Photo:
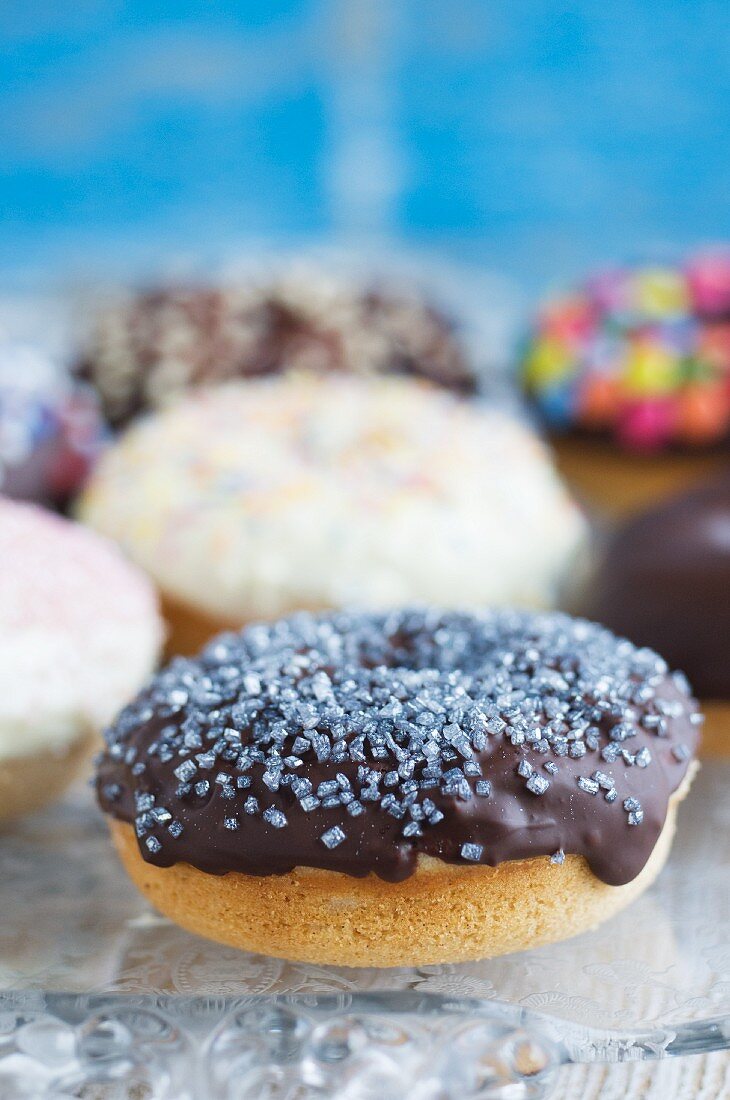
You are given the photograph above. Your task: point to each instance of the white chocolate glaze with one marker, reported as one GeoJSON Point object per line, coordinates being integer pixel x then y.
{"type": "Point", "coordinates": [255, 498]}
{"type": "Point", "coordinates": [79, 631]}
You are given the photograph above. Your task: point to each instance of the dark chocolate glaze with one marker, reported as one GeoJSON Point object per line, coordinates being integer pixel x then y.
{"type": "Point", "coordinates": [665, 582]}
{"type": "Point", "coordinates": [526, 690]}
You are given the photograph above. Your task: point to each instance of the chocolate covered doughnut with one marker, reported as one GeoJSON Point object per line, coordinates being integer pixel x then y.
{"type": "Point", "coordinates": [665, 582]}
{"type": "Point", "coordinates": [314, 787]}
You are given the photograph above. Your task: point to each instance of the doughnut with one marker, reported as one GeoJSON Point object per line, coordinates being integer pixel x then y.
{"type": "Point", "coordinates": [51, 429]}
{"type": "Point", "coordinates": [255, 499]}
{"type": "Point", "coordinates": [79, 632]}
{"type": "Point", "coordinates": [149, 347]}
{"type": "Point", "coordinates": [403, 787]}
{"type": "Point", "coordinates": [642, 354]}
{"type": "Point", "coordinates": [664, 581]}
{"type": "Point", "coordinates": [630, 372]}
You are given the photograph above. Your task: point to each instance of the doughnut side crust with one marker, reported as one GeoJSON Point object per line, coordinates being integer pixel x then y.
{"type": "Point", "coordinates": [442, 913]}
{"type": "Point", "coordinates": [29, 782]}
{"type": "Point", "coordinates": [190, 628]}
{"type": "Point", "coordinates": [716, 730]}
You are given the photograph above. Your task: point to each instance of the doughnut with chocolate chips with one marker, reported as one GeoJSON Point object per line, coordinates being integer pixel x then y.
{"type": "Point", "coordinates": [401, 788]}
{"type": "Point", "coordinates": [149, 348]}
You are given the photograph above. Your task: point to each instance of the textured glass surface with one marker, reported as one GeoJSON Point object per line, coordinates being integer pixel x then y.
{"type": "Point", "coordinates": [649, 983]}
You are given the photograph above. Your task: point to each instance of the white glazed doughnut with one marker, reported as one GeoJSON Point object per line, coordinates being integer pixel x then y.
{"type": "Point", "coordinates": [79, 632]}
{"type": "Point", "coordinates": [256, 498]}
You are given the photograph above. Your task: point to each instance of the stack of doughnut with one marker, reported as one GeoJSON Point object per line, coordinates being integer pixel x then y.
{"type": "Point", "coordinates": [375, 743]}
{"type": "Point", "coordinates": [402, 788]}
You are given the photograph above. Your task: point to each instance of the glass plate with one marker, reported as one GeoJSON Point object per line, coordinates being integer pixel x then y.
{"type": "Point", "coordinates": [101, 998]}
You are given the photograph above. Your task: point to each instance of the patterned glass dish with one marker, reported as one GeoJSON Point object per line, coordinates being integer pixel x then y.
{"type": "Point", "coordinates": [100, 998]}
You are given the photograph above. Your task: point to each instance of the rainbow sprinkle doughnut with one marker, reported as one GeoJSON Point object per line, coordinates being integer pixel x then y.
{"type": "Point", "coordinates": [640, 355]}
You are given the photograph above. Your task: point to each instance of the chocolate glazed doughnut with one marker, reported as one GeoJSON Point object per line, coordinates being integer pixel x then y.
{"type": "Point", "coordinates": [330, 787]}
{"type": "Point", "coordinates": [664, 580]}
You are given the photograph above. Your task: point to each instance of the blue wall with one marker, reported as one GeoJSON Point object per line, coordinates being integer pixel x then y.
{"type": "Point", "coordinates": [525, 134]}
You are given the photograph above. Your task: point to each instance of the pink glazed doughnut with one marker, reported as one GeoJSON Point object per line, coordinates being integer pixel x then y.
{"type": "Point", "coordinates": [79, 633]}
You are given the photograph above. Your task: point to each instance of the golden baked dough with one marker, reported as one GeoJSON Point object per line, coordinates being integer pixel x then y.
{"type": "Point", "coordinates": [27, 783]}
{"type": "Point", "coordinates": [442, 913]}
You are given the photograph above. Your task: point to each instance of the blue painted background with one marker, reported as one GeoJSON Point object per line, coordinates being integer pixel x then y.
{"type": "Point", "coordinates": [527, 135]}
